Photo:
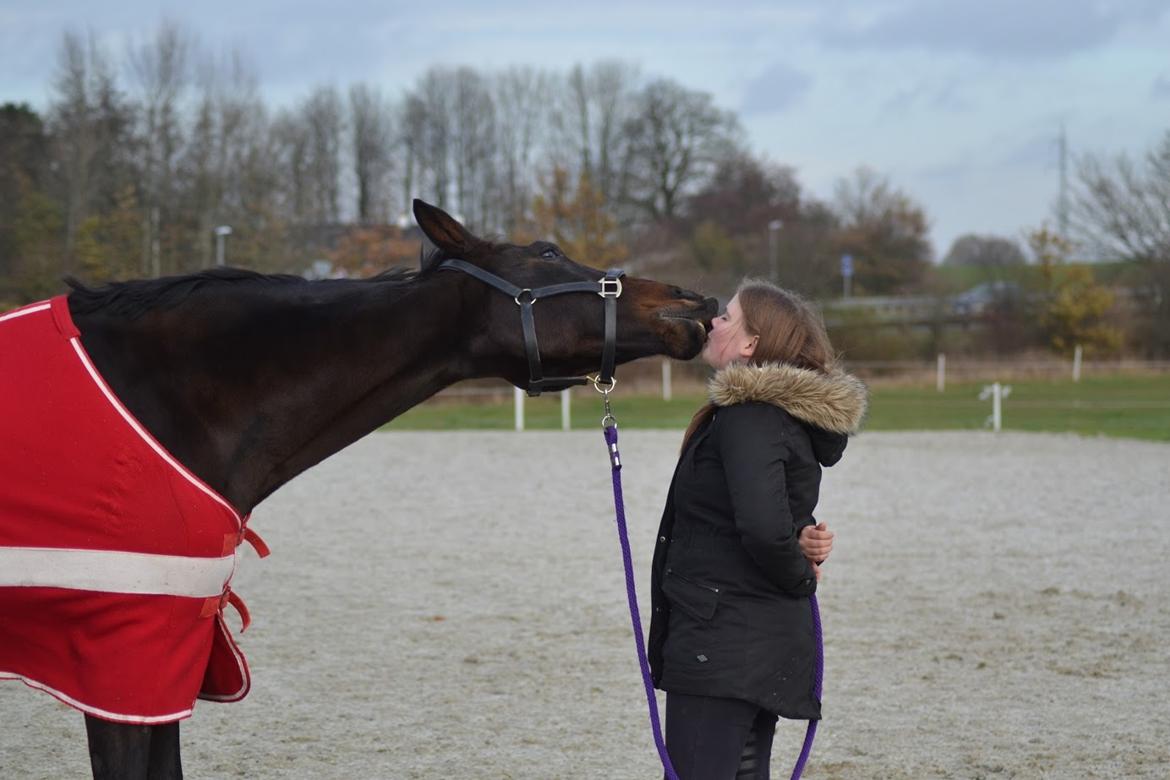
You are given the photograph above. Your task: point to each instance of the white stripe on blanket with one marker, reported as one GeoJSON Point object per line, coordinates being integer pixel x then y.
{"type": "Point", "coordinates": [108, 571]}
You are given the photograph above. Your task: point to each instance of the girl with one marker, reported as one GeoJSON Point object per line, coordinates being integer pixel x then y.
{"type": "Point", "coordinates": [738, 552]}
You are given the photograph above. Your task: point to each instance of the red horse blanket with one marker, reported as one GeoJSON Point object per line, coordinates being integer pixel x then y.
{"type": "Point", "coordinates": [115, 560]}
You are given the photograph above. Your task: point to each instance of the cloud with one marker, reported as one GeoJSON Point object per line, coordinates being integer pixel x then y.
{"type": "Point", "coordinates": [777, 88]}
{"type": "Point", "coordinates": [1011, 29]}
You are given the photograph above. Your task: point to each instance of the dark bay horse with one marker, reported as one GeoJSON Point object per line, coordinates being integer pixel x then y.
{"type": "Point", "coordinates": [248, 380]}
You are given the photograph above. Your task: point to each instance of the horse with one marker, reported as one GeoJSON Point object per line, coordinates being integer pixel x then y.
{"type": "Point", "coordinates": [242, 381]}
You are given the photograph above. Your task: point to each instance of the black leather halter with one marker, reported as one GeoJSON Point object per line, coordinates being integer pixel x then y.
{"type": "Point", "coordinates": [609, 287]}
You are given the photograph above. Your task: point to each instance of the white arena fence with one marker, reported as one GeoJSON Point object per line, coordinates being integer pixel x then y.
{"type": "Point", "coordinates": [666, 378]}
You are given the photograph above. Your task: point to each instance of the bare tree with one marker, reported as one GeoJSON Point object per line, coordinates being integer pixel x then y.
{"type": "Point", "coordinates": [324, 122]}
{"type": "Point", "coordinates": [90, 124]}
{"type": "Point", "coordinates": [413, 123]}
{"type": "Point", "coordinates": [473, 136]}
{"type": "Point", "coordinates": [520, 95]}
{"type": "Point", "coordinates": [428, 134]}
{"type": "Point", "coordinates": [674, 142]}
{"type": "Point", "coordinates": [372, 137]}
{"type": "Point", "coordinates": [204, 178]}
{"type": "Point", "coordinates": [1122, 208]}
{"type": "Point", "coordinates": [596, 104]}
{"type": "Point", "coordinates": [160, 69]}
{"type": "Point", "coordinates": [291, 139]}
{"type": "Point", "coordinates": [228, 151]}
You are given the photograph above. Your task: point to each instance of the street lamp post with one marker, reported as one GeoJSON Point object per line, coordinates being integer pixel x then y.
{"type": "Point", "coordinates": [220, 233]}
{"type": "Point", "coordinates": [773, 248]}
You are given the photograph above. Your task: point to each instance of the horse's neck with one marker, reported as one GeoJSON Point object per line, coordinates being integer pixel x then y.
{"type": "Point", "coordinates": [249, 402]}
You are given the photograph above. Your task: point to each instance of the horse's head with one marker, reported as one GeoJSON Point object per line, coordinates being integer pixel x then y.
{"type": "Point", "coordinates": [652, 318]}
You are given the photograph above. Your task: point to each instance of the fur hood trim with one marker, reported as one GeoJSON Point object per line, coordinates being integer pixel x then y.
{"type": "Point", "coordinates": [834, 401]}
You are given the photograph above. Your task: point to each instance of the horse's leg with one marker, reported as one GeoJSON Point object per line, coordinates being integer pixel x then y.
{"type": "Point", "coordinates": [121, 751]}
{"type": "Point", "coordinates": [164, 752]}
{"type": "Point", "coordinates": [118, 751]}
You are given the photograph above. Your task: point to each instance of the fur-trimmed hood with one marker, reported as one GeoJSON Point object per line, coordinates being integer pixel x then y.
{"type": "Point", "coordinates": [833, 403]}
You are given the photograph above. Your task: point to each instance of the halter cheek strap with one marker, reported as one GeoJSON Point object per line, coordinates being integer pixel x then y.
{"type": "Point", "coordinates": [609, 287]}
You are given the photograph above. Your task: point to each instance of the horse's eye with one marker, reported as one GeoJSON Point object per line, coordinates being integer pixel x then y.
{"type": "Point", "coordinates": [549, 254]}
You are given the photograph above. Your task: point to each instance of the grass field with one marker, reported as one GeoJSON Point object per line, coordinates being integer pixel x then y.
{"type": "Point", "coordinates": [1125, 406]}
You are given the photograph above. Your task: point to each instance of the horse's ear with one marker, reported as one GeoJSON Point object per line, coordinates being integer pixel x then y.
{"type": "Point", "coordinates": [442, 229]}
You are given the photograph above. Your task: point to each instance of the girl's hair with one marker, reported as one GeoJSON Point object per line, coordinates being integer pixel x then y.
{"type": "Point", "coordinates": [790, 331]}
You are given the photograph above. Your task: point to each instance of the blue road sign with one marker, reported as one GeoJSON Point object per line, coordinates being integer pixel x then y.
{"type": "Point", "coordinates": [847, 265]}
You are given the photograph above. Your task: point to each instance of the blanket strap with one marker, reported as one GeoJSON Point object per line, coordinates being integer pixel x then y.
{"type": "Point", "coordinates": [253, 538]}
{"type": "Point", "coordinates": [215, 605]}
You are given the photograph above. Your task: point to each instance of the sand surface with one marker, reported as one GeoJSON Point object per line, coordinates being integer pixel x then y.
{"type": "Point", "coordinates": [451, 605]}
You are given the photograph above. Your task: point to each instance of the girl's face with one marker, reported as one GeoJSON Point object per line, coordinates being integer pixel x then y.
{"type": "Point", "coordinates": [729, 340]}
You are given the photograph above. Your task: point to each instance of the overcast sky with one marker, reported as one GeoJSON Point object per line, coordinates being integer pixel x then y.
{"type": "Point", "coordinates": [958, 102]}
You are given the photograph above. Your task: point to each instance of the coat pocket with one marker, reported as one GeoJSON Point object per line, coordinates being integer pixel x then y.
{"type": "Point", "coordinates": [695, 598]}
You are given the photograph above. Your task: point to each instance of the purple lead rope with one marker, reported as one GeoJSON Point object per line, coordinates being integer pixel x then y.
{"type": "Point", "coordinates": [611, 437]}
{"type": "Point", "coordinates": [818, 677]}
{"type": "Point", "coordinates": [631, 594]}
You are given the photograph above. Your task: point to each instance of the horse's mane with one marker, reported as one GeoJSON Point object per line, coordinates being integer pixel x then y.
{"type": "Point", "coordinates": [132, 299]}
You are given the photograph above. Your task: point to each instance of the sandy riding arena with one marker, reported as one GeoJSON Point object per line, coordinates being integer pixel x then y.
{"type": "Point", "coordinates": [451, 605]}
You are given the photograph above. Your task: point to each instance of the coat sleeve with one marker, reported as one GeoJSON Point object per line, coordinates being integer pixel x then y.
{"type": "Point", "coordinates": [753, 450]}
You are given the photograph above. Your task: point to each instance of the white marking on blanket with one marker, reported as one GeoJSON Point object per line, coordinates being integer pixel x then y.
{"type": "Point", "coordinates": [21, 312]}
{"type": "Point", "coordinates": [72, 702]}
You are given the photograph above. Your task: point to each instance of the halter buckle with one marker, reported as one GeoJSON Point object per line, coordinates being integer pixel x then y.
{"type": "Point", "coordinates": [531, 297]}
{"type": "Point", "coordinates": [614, 288]}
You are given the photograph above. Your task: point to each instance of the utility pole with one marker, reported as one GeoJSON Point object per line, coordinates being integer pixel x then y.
{"type": "Point", "coordinates": [773, 249]}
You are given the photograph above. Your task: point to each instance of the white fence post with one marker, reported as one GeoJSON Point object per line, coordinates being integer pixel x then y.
{"type": "Point", "coordinates": [997, 393]}
{"type": "Point", "coordinates": [566, 416]}
{"type": "Point", "coordinates": [941, 375]}
{"type": "Point", "coordinates": [1077, 363]}
{"type": "Point", "coordinates": [518, 405]}
{"type": "Point", "coordinates": [666, 388]}
{"type": "Point", "coordinates": [997, 408]}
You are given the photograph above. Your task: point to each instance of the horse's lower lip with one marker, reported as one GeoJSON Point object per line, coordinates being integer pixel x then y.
{"type": "Point", "coordinates": [704, 324]}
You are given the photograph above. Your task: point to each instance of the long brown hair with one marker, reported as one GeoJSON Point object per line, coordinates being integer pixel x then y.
{"type": "Point", "coordinates": [790, 331]}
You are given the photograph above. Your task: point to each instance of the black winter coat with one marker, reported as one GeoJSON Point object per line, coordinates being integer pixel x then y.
{"type": "Point", "coordinates": [729, 586]}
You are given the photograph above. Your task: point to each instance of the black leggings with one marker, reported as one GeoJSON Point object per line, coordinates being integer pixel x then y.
{"type": "Point", "coordinates": [718, 739]}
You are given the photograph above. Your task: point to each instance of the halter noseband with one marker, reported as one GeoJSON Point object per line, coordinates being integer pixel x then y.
{"type": "Point", "coordinates": [609, 287]}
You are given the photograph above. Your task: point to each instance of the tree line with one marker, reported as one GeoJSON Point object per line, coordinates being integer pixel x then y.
{"type": "Point", "coordinates": [136, 160]}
